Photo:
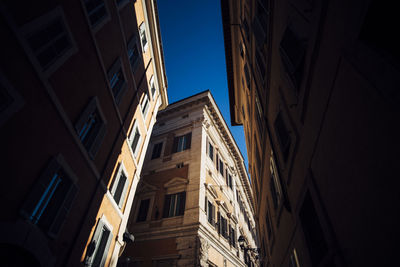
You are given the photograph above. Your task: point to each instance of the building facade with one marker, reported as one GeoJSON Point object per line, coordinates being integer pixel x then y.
{"type": "Point", "coordinates": [81, 83]}
{"type": "Point", "coordinates": [315, 86]}
{"type": "Point", "coordinates": [194, 198]}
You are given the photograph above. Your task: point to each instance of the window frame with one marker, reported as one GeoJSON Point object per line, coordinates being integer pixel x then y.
{"type": "Point", "coordinates": [158, 155]}
{"type": "Point", "coordinates": [81, 122]}
{"type": "Point", "coordinates": [185, 143]}
{"type": "Point", "coordinates": [135, 129]}
{"type": "Point", "coordinates": [115, 183]}
{"type": "Point", "coordinates": [38, 23]}
{"type": "Point", "coordinates": [152, 86]}
{"type": "Point", "coordinates": [175, 212]}
{"type": "Point", "coordinates": [143, 36]}
{"type": "Point", "coordinates": [132, 43]}
{"type": "Point", "coordinates": [145, 105]}
{"type": "Point", "coordinates": [40, 192]}
{"type": "Point", "coordinates": [102, 21]}
{"type": "Point", "coordinates": [113, 70]}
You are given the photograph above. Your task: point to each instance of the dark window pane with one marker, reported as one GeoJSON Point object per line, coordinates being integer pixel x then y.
{"type": "Point", "coordinates": [120, 187]}
{"type": "Point", "coordinates": [157, 151]}
{"type": "Point", "coordinates": [283, 136]}
{"type": "Point", "coordinates": [143, 210]}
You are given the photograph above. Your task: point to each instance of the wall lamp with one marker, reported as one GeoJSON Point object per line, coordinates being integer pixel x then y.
{"type": "Point", "coordinates": [242, 241]}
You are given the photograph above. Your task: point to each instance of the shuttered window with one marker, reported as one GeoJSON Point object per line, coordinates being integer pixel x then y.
{"type": "Point", "coordinates": [91, 127]}
{"type": "Point", "coordinates": [134, 138]}
{"type": "Point", "coordinates": [182, 142]}
{"type": "Point", "coordinates": [133, 52]}
{"type": "Point", "coordinates": [292, 50]}
{"type": "Point", "coordinates": [211, 213]}
{"type": "Point", "coordinates": [174, 204]}
{"type": "Point", "coordinates": [283, 136]}
{"type": "Point", "coordinates": [143, 210]}
{"type": "Point", "coordinates": [51, 198]}
{"type": "Point", "coordinates": [98, 248]}
{"type": "Point", "coordinates": [157, 150]}
{"type": "Point", "coordinates": [117, 80]}
{"type": "Point", "coordinates": [96, 11]}
{"type": "Point", "coordinates": [119, 186]}
{"type": "Point", "coordinates": [145, 105]}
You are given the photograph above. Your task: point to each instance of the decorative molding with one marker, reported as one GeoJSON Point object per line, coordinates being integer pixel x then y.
{"type": "Point", "coordinates": [211, 189]}
{"type": "Point", "coordinates": [176, 181]}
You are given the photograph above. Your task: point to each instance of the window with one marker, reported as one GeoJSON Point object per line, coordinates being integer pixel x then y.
{"type": "Point", "coordinates": [294, 261]}
{"type": "Point", "coordinates": [246, 29]}
{"type": "Point", "coordinates": [182, 143]}
{"type": "Point", "coordinates": [283, 136]}
{"type": "Point", "coordinates": [117, 80]}
{"type": "Point", "coordinates": [260, 24]}
{"type": "Point", "coordinates": [143, 37]}
{"type": "Point", "coordinates": [241, 49]}
{"type": "Point", "coordinates": [119, 186]}
{"type": "Point", "coordinates": [10, 100]}
{"type": "Point", "coordinates": [232, 236]}
{"type": "Point", "coordinates": [174, 205]}
{"type": "Point", "coordinates": [312, 230]}
{"type": "Point", "coordinates": [133, 53]}
{"type": "Point", "coordinates": [229, 181]}
{"type": "Point", "coordinates": [134, 138]}
{"type": "Point", "coordinates": [152, 86]}
{"type": "Point", "coordinates": [51, 198]}
{"type": "Point", "coordinates": [217, 161]}
{"type": "Point", "coordinates": [143, 210]}
{"type": "Point", "coordinates": [96, 11]}
{"type": "Point", "coordinates": [247, 76]}
{"type": "Point", "coordinates": [210, 151]}
{"type": "Point", "coordinates": [379, 24]}
{"type": "Point", "coordinates": [97, 250]}
{"type": "Point", "coordinates": [268, 225]}
{"type": "Point", "coordinates": [179, 165]}
{"type": "Point", "coordinates": [221, 167]}
{"type": "Point", "coordinates": [91, 127]}
{"type": "Point", "coordinates": [293, 50]}
{"type": "Point", "coordinates": [276, 190]}
{"type": "Point", "coordinates": [145, 105]}
{"type": "Point", "coordinates": [157, 150]}
{"type": "Point", "coordinates": [260, 116]}
{"type": "Point", "coordinates": [49, 39]}
{"type": "Point", "coordinates": [223, 227]}
{"type": "Point", "coordinates": [210, 213]}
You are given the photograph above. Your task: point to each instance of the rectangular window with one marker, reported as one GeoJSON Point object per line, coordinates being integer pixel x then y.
{"type": "Point", "coordinates": [217, 161]}
{"type": "Point", "coordinates": [96, 11]}
{"type": "Point", "coordinates": [119, 186]}
{"type": "Point", "coordinates": [232, 237]}
{"type": "Point", "coordinates": [230, 182]}
{"type": "Point", "coordinates": [182, 142]}
{"type": "Point", "coordinates": [276, 190]}
{"type": "Point", "coordinates": [152, 86]}
{"type": "Point", "coordinates": [312, 230]}
{"type": "Point", "coordinates": [293, 50]}
{"type": "Point", "coordinates": [283, 136]}
{"type": "Point", "coordinates": [210, 151]}
{"type": "Point", "coordinates": [174, 205]}
{"type": "Point", "coordinates": [48, 204]}
{"type": "Point", "coordinates": [143, 37]}
{"type": "Point", "coordinates": [98, 248]}
{"type": "Point", "coordinates": [145, 105]}
{"type": "Point", "coordinates": [224, 227]}
{"type": "Point", "coordinates": [117, 80]}
{"type": "Point", "coordinates": [157, 150]}
{"type": "Point", "coordinates": [247, 76]}
{"type": "Point", "coordinates": [221, 167]}
{"type": "Point", "coordinates": [268, 225]}
{"type": "Point", "coordinates": [134, 138]}
{"type": "Point", "coordinates": [133, 53]}
{"type": "Point", "coordinates": [143, 210]}
{"type": "Point", "coordinates": [48, 38]}
{"type": "Point", "coordinates": [91, 127]}
{"type": "Point", "coordinates": [210, 213]}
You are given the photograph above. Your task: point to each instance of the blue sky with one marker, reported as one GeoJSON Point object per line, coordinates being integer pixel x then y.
{"type": "Point", "coordinates": [194, 54]}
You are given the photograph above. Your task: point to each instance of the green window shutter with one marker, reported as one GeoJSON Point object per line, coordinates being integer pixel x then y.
{"type": "Point", "coordinates": [39, 188]}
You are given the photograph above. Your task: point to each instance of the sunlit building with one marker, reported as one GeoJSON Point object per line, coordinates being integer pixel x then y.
{"type": "Point", "coordinates": [315, 86]}
{"type": "Point", "coordinates": [194, 199]}
{"type": "Point", "coordinates": [81, 83]}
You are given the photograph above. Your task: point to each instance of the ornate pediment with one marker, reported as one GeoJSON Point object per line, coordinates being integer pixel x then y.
{"type": "Point", "coordinates": [146, 188]}
{"type": "Point", "coordinates": [211, 189]}
{"type": "Point", "coordinates": [177, 181]}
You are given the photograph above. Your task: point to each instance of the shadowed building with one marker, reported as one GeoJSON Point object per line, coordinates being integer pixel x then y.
{"type": "Point", "coordinates": [81, 83]}
{"type": "Point", "coordinates": [315, 86]}
{"type": "Point", "coordinates": [194, 198]}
